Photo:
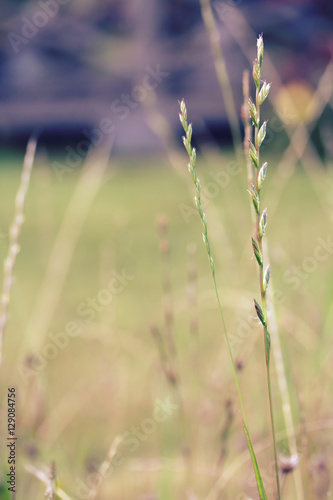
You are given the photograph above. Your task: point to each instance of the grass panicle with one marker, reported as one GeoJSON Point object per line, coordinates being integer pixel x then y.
{"type": "Point", "coordinates": [262, 90]}
{"type": "Point", "coordinates": [191, 167]}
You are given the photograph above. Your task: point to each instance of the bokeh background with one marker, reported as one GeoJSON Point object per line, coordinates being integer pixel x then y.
{"type": "Point", "coordinates": [112, 298]}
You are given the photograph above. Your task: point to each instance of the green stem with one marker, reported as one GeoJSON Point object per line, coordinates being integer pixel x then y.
{"type": "Point", "coordinates": [231, 356]}
{"type": "Point", "coordinates": [273, 430]}
{"type": "Point", "coordinates": [260, 485]}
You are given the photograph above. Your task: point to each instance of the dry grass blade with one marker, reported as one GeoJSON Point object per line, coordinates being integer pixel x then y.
{"type": "Point", "coordinates": [221, 71]}
{"type": "Point", "coordinates": [14, 236]}
{"type": "Point", "coordinates": [44, 478]}
{"type": "Point", "coordinates": [50, 490]}
{"type": "Point", "coordinates": [104, 467]}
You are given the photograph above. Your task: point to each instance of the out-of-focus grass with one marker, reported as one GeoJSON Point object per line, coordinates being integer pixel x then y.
{"type": "Point", "coordinates": [107, 379]}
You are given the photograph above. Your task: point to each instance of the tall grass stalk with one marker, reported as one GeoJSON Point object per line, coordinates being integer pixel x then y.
{"type": "Point", "coordinates": [262, 90]}
{"type": "Point", "coordinates": [294, 149]}
{"type": "Point", "coordinates": [191, 166]}
{"type": "Point", "coordinates": [277, 351]}
{"type": "Point", "coordinates": [14, 235]}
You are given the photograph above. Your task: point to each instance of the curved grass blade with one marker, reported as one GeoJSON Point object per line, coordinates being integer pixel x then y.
{"type": "Point", "coordinates": [260, 485]}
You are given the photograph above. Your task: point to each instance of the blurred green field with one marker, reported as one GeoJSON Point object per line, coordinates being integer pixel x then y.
{"type": "Point", "coordinates": [108, 378]}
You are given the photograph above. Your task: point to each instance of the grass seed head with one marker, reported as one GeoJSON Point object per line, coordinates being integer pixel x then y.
{"type": "Point", "coordinates": [260, 49]}
{"type": "Point", "coordinates": [262, 175]}
{"type": "Point", "coordinates": [259, 312]}
{"type": "Point", "coordinates": [261, 134]}
{"type": "Point", "coordinates": [263, 92]}
{"type": "Point", "coordinates": [267, 276]}
{"type": "Point", "coordinates": [263, 223]}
